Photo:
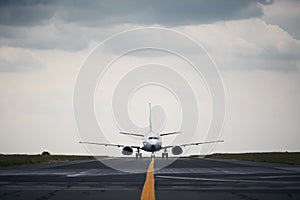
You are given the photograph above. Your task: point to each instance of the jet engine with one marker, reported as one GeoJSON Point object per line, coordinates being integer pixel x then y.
{"type": "Point", "coordinates": [177, 150]}
{"type": "Point", "coordinates": [127, 151]}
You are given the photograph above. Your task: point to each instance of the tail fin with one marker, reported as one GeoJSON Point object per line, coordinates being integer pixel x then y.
{"type": "Point", "coordinates": [150, 118]}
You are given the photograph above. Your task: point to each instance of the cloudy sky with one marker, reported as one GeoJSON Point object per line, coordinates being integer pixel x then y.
{"type": "Point", "coordinates": [255, 44]}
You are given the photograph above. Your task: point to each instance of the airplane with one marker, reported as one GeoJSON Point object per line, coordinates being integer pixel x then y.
{"type": "Point", "coordinates": [151, 142]}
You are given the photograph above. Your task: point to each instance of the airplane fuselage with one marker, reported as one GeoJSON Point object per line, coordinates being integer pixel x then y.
{"type": "Point", "coordinates": [152, 142]}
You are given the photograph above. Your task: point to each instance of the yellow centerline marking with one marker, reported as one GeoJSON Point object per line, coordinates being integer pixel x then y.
{"type": "Point", "coordinates": [148, 192]}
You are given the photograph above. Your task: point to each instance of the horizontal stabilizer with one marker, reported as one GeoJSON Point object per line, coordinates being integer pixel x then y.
{"type": "Point", "coordinates": [133, 134]}
{"type": "Point", "coordinates": [170, 133]}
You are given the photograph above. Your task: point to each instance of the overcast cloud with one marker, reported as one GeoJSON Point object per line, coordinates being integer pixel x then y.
{"type": "Point", "coordinates": [70, 25]}
{"type": "Point", "coordinates": [255, 43]}
{"type": "Point", "coordinates": [105, 12]}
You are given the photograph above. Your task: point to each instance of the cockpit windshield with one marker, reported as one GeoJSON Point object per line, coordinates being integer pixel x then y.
{"type": "Point", "coordinates": [153, 138]}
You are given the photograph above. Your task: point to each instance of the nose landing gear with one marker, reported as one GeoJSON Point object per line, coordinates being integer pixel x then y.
{"type": "Point", "coordinates": [152, 155]}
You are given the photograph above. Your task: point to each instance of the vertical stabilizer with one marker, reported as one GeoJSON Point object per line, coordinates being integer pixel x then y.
{"type": "Point", "coordinates": [150, 118]}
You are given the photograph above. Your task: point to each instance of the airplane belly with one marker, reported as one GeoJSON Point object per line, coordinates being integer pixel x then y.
{"type": "Point", "coordinates": [151, 147]}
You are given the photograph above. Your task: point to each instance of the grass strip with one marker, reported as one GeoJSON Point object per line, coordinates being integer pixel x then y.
{"type": "Point", "coordinates": [292, 158]}
{"type": "Point", "coordinates": [8, 160]}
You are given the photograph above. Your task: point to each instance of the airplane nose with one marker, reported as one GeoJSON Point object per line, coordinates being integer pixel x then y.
{"type": "Point", "coordinates": [152, 142]}
{"type": "Point", "coordinates": [152, 147]}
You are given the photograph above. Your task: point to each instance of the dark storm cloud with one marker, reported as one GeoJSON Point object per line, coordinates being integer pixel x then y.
{"type": "Point", "coordinates": [24, 13]}
{"type": "Point", "coordinates": [105, 12]}
{"type": "Point", "coordinates": [72, 24]}
{"type": "Point", "coordinates": [168, 12]}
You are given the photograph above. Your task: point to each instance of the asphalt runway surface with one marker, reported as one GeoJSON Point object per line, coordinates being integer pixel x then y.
{"type": "Point", "coordinates": [186, 178]}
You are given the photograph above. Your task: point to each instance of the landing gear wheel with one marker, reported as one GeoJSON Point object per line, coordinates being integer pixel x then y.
{"type": "Point", "coordinates": [138, 155]}
{"type": "Point", "coordinates": [165, 155]}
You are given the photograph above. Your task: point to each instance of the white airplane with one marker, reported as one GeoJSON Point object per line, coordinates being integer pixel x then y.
{"type": "Point", "coordinates": [151, 142]}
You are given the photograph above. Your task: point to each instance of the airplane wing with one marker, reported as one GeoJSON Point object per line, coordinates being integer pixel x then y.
{"type": "Point", "coordinates": [170, 133]}
{"type": "Point", "coordinates": [133, 134]}
{"type": "Point", "coordinates": [191, 144]}
{"type": "Point", "coordinates": [112, 145]}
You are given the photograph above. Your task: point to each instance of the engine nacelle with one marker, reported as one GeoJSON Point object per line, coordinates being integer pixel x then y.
{"type": "Point", "coordinates": [127, 151]}
{"type": "Point", "coordinates": [177, 150]}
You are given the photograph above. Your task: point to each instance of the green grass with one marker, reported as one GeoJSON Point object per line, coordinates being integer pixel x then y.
{"type": "Point", "coordinates": [8, 160]}
{"type": "Point", "coordinates": [292, 158]}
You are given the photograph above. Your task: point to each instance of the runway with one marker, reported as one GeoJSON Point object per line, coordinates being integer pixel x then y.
{"type": "Point", "coordinates": [186, 178]}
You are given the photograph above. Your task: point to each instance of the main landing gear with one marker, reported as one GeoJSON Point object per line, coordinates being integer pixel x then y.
{"type": "Point", "coordinates": [138, 154]}
{"type": "Point", "coordinates": [165, 154]}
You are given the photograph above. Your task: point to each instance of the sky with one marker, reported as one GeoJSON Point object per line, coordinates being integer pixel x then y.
{"type": "Point", "coordinates": [254, 43]}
